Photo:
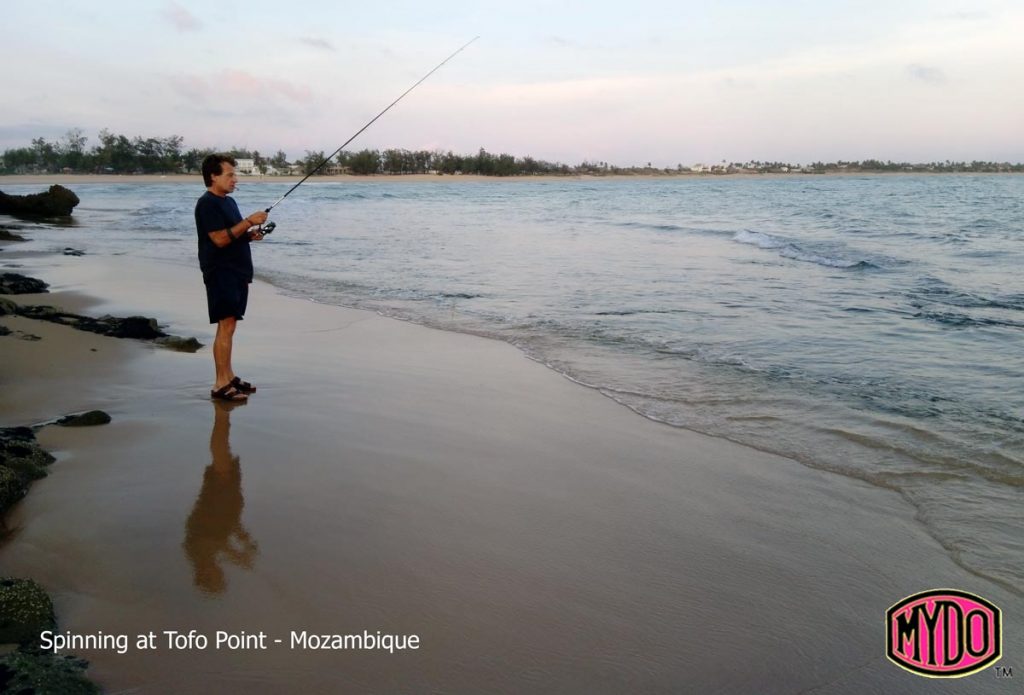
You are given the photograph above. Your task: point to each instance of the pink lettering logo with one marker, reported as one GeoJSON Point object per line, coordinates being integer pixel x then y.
{"type": "Point", "coordinates": [943, 633]}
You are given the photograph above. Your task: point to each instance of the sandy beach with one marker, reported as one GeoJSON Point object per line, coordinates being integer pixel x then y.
{"type": "Point", "coordinates": [534, 535]}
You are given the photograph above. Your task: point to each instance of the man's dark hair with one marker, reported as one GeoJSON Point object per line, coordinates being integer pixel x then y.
{"type": "Point", "coordinates": [211, 166]}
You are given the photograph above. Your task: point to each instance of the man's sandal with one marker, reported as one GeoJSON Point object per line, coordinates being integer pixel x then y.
{"type": "Point", "coordinates": [243, 386]}
{"type": "Point", "coordinates": [228, 393]}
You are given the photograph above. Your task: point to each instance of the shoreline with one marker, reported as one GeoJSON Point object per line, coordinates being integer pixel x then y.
{"type": "Point", "coordinates": [507, 492]}
{"type": "Point", "coordinates": [65, 179]}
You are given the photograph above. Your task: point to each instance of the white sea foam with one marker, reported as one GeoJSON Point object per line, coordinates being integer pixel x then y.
{"type": "Point", "coordinates": [790, 250]}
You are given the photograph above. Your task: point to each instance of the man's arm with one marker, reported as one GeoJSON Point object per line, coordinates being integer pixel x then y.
{"type": "Point", "coordinates": [223, 237]}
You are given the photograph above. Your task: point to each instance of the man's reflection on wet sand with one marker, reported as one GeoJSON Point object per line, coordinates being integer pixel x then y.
{"type": "Point", "coordinates": [214, 531]}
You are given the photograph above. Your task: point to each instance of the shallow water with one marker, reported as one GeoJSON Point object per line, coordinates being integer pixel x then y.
{"type": "Point", "coordinates": [870, 326]}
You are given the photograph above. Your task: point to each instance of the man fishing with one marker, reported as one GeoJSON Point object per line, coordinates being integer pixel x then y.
{"type": "Point", "coordinates": [224, 254]}
{"type": "Point", "coordinates": [226, 262]}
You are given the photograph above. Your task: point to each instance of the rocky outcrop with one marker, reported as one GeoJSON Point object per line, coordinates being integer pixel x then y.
{"type": "Point", "coordinates": [89, 419]}
{"type": "Point", "coordinates": [12, 283]}
{"type": "Point", "coordinates": [137, 327]}
{"type": "Point", "coordinates": [56, 202]}
{"type": "Point", "coordinates": [22, 460]}
{"type": "Point", "coordinates": [176, 342]}
{"type": "Point", "coordinates": [25, 612]}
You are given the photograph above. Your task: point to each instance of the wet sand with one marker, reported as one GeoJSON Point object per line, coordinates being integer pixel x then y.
{"type": "Point", "coordinates": [534, 535]}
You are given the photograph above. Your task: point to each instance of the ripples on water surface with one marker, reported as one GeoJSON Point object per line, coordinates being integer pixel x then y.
{"type": "Point", "coordinates": [870, 326]}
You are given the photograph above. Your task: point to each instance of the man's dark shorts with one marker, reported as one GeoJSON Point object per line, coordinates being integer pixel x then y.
{"type": "Point", "coordinates": [226, 295]}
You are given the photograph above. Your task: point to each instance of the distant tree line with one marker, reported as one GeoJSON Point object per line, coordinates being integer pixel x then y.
{"type": "Point", "coordinates": [400, 161]}
{"type": "Point", "coordinates": [118, 154]}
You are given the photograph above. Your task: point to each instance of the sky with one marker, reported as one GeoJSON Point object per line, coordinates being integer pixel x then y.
{"type": "Point", "coordinates": [628, 83]}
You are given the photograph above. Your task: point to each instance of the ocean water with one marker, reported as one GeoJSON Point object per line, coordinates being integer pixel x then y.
{"type": "Point", "coordinates": [871, 326]}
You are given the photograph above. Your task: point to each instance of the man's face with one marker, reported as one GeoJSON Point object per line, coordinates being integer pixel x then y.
{"type": "Point", "coordinates": [224, 182]}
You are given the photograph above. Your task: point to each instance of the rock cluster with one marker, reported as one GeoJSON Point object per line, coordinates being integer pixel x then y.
{"type": "Point", "coordinates": [56, 202]}
{"type": "Point", "coordinates": [21, 461]}
{"type": "Point", "coordinates": [12, 283]}
{"type": "Point", "coordinates": [89, 419]}
{"type": "Point", "coordinates": [7, 235]}
{"type": "Point", "coordinates": [138, 327]}
{"type": "Point", "coordinates": [26, 611]}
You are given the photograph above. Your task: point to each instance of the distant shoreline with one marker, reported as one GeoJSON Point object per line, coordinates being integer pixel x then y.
{"type": "Point", "coordinates": [65, 179]}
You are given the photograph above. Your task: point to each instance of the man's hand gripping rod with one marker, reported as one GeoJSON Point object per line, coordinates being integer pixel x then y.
{"type": "Point", "coordinates": [269, 227]}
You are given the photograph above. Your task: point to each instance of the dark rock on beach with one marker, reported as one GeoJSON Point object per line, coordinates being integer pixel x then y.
{"type": "Point", "coordinates": [12, 283]}
{"type": "Point", "coordinates": [22, 460]}
{"type": "Point", "coordinates": [68, 251]}
{"type": "Point", "coordinates": [34, 672]}
{"type": "Point", "coordinates": [139, 327]}
{"type": "Point", "coordinates": [25, 612]}
{"type": "Point", "coordinates": [89, 419]}
{"type": "Point", "coordinates": [6, 235]}
{"type": "Point", "coordinates": [176, 342]}
{"type": "Point", "coordinates": [56, 202]}
{"type": "Point", "coordinates": [40, 312]}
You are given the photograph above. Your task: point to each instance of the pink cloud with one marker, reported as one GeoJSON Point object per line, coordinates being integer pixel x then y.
{"type": "Point", "coordinates": [182, 19]}
{"type": "Point", "coordinates": [240, 84]}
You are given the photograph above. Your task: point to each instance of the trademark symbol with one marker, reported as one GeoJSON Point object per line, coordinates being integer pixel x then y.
{"type": "Point", "coordinates": [1003, 672]}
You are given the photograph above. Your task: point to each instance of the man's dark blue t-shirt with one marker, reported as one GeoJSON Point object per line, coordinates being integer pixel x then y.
{"type": "Point", "coordinates": [214, 213]}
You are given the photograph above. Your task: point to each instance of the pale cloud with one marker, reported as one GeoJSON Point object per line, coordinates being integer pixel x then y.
{"type": "Point", "coordinates": [229, 84]}
{"type": "Point", "coordinates": [560, 42]}
{"type": "Point", "coordinates": [967, 15]}
{"type": "Point", "coordinates": [180, 18]}
{"type": "Point", "coordinates": [314, 42]}
{"type": "Point", "coordinates": [564, 91]}
{"type": "Point", "coordinates": [926, 73]}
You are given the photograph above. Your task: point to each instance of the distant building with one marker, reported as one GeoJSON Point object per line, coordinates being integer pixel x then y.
{"type": "Point", "coordinates": [246, 167]}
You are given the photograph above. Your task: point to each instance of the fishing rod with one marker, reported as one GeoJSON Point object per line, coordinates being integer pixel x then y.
{"type": "Point", "coordinates": [270, 226]}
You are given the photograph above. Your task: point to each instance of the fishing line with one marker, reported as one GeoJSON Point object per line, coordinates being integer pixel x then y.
{"type": "Point", "coordinates": [331, 156]}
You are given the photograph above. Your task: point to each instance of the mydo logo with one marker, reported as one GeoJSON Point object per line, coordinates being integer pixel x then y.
{"type": "Point", "coordinates": [943, 633]}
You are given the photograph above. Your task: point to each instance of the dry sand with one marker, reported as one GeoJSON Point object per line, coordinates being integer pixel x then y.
{"type": "Point", "coordinates": [536, 536]}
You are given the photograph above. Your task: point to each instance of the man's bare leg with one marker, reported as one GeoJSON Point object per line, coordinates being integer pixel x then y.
{"type": "Point", "coordinates": [222, 351]}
